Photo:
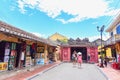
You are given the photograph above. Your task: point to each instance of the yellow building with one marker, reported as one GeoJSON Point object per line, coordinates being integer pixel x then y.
{"type": "Point", "coordinates": [114, 41]}
{"type": "Point", "coordinates": [58, 36]}
{"type": "Point", "coordinates": [105, 51]}
{"type": "Point", "coordinates": [108, 52]}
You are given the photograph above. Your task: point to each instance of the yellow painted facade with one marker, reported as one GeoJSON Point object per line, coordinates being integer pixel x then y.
{"type": "Point", "coordinates": [108, 51]}
{"type": "Point", "coordinates": [99, 48]}
{"type": "Point", "coordinates": [58, 36]}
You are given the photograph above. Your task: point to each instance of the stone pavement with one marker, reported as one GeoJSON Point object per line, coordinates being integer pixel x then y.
{"type": "Point", "coordinates": [23, 74]}
{"type": "Point", "coordinates": [68, 71]}
{"type": "Point", "coordinates": [111, 73]}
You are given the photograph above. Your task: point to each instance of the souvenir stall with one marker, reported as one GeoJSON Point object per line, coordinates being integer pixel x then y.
{"type": "Point", "coordinates": [12, 57]}
{"type": "Point", "coordinates": [57, 55]}
{"type": "Point", "coordinates": [22, 54]}
{"type": "Point", "coordinates": [51, 55]}
{"type": "Point", "coordinates": [33, 53]}
{"type": "Point", "coordinates": [40, 55]}
{"type": "Point", "coordinates": [4, 55]}
{"type": "Point", "coordinates": [28, 56]}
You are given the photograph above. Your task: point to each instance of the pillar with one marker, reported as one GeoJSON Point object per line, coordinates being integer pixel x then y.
{"type": "Point", "coordinates": [46, 53]}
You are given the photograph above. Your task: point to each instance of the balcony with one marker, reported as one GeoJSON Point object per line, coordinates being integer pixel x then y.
{"type": "Point", "coordinates": [112, 40]}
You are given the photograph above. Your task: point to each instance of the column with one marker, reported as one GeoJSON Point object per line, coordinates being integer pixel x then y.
{"type": "Point", "coordinates": [46, 53]}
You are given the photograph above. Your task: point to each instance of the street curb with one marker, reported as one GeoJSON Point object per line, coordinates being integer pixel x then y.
{"type": "Point", "coordinates": [40, 73]}
{"type": "Point", "coordinates": [102, 72]}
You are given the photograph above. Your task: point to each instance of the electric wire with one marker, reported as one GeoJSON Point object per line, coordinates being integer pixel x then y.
{"type": "Point", "coordinates": [108, 21]}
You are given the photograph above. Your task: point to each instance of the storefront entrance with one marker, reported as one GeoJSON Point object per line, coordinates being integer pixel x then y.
{"type": "Point", "coordinates": [83, 50]}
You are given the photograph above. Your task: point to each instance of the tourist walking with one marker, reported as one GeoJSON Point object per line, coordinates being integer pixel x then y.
{"type": "Point", "coordinates": [74, 58]}
{"type": "Point", "coordinates": [79, 59]}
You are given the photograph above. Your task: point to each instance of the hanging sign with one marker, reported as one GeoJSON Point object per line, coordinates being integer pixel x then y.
{"type": "Point", "coordinates": [6, 58]}
{"type": "Point", "coordinates": [28, 61]}
{"type": "Point", "coordinates": [40, 49]}
{"type": "Point", "coordinates": [3, 66]}
{"type": "Point", "coordinates": [7, 51]}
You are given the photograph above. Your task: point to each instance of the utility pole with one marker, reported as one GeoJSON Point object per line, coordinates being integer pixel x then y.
{"type": "Point", "coordinates": [101, 29]}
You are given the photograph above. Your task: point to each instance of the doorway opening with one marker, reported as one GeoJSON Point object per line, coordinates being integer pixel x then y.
{"type": "Point", "coordinates": [83, 50]}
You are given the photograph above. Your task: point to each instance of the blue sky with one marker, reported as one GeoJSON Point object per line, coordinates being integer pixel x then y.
{"type": "Point", "coordinates": [71, 18]}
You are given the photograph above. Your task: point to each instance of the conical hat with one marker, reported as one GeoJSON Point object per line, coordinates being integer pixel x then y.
{"type": "Point", "coordinates": [79, 53]}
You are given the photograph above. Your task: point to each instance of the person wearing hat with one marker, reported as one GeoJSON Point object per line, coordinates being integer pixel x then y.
{"type": "Point", "coordinates": [79, 59]}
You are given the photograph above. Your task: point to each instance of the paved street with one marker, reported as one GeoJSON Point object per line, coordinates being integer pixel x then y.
{"type": "Point", "coordinates": [66, 71]}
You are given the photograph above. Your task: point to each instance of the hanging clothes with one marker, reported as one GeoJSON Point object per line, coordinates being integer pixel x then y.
{"type": "Point", "coordinates": [22, 56]}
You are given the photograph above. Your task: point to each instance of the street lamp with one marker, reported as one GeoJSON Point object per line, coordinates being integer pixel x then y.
{"type": "Point", "coordinates": [101, 29]}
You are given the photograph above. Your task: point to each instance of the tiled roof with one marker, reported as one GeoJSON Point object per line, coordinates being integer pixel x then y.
{"type": "Point", "coordinates": [11, 30]}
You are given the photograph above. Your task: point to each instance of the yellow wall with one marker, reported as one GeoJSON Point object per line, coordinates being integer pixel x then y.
{"type": "Point", "coordinates": [99, 48]}
{"type": "Point", "coordinates": [56, 36]}
{"type": "Point", "coordinates": [108, 52]}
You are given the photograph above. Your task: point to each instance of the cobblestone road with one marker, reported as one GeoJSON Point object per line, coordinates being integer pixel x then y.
{"type": "Point", "coordinates": [66, 71]}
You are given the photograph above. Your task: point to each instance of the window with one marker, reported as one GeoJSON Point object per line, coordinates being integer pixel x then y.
{"type": "Point", "coordinates": [118, 29]}
{"type": "Point", "coordinates": [111, 33]}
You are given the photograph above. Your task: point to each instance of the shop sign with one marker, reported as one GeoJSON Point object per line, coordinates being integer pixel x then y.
{"type": "Point", "coordinates": [28, 61]}
{"type": "Point", "coordinates": [3, 66]}
{"type": "Point", "coordinates": [40, 49]}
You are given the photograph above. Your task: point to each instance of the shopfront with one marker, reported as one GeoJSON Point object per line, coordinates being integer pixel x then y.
{"type": "Point", "coordinates": [9, 54]}
{"type": "Point", "coordinates": [51, 54]}
{"type": "Point", "coordinates": [4, 55]}
{"type": "Point", "coordinates": [19, 48]}
{"type": "Point", "coordinates": [40, 56]}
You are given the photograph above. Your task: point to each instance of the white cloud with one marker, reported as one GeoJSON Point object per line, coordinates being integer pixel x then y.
{"type": "Point", "coordinates": [79, 9]}
{"type": "Point", "coordinates": [21, 6]}
{"type": "Point", "coordinates": [104, 37]}
{"type": "Point", "coordinates": [39, 35]}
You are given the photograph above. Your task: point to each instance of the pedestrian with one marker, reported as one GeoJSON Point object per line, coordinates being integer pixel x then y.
{"type": "Point", "coordinates": [88, 58]}
{"type": "Point", "coordinates": [113, 59]}
{"type": "Point", "coordinates": [74, 58]}
{"type": "Point", "coordinates": [101, 62]}
{"type": "Point", "coordinates": [105, 61]}
{"type": "Point", "coordinates": [79, 59]}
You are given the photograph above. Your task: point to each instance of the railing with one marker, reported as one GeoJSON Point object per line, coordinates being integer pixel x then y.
{"type": "Point", "coordinates": [113, 39]}
{"type": "Point", "coordinates": [110, 41]}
